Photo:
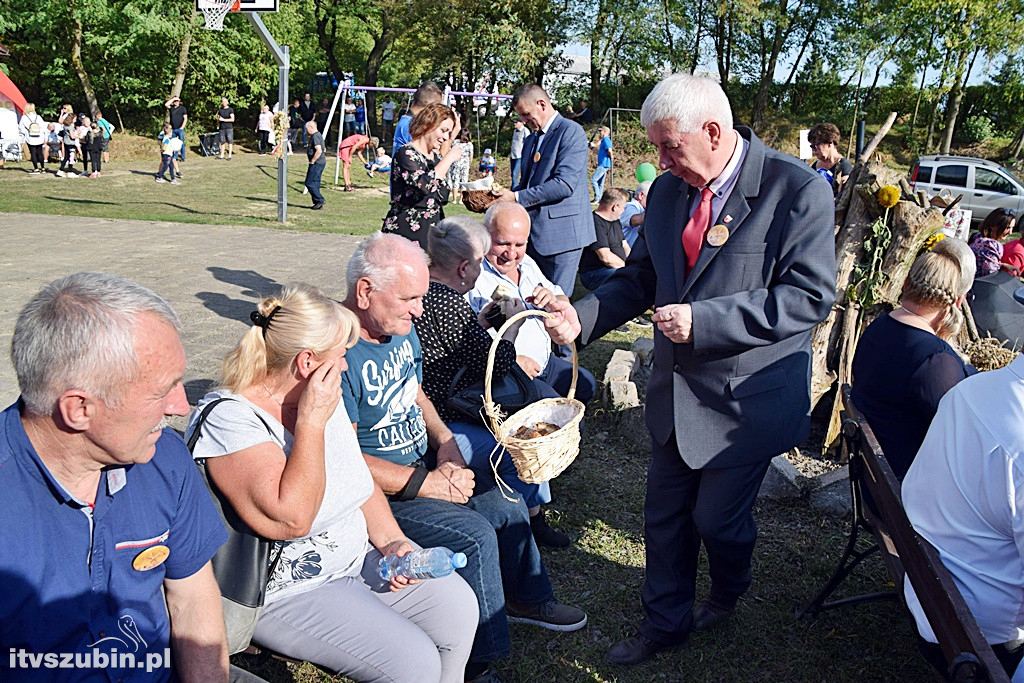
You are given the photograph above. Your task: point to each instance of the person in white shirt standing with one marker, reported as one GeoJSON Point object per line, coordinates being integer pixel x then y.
{"type": "Point", "coordinates": [515, 157]}
{"type": "Point", "coordinates": [964, 493]}
{"type": "Point", "coordinates": [33, 131]}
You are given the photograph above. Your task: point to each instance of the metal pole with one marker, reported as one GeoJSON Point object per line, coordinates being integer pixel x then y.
{"type": "Point", "coordinates": [860, 138]}
{"type": "Point", "coordinates": [280, 53]}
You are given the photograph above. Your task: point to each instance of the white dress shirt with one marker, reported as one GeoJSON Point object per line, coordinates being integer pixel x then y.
{"type": "Point", "coordinates": [964, 493]}
{"type": "Point", "coordinates": [533, 339]}
{"type": "Point", "coordinates": [722, 186]}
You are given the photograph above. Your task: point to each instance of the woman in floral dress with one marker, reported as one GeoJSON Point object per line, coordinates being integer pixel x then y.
{"type": "Point", "coordinates": [419, 174]}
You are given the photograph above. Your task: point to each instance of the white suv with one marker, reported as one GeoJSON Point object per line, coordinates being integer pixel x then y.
{"type": "Point", "coordinates": [984, 184]}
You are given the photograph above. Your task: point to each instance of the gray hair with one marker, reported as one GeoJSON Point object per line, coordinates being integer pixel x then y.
{"type": "Point", "coordinates": [378, 258]}
{"type": "Point", "coordinates": [530, 92]}
{"type": "Point", "coordinates": [644, 187]}
{"type": "Point", "coordinates": [690, 101]}
{"type": "Point", "coordinates": [457, 239]}
{"type": "Point", "coordinates": [78, 332]}
{"type": "Point", "coordinates": [500, 207]}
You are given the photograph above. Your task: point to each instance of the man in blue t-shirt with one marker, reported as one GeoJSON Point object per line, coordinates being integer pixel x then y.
{"type": "Point", "coordinates": [604, 162]}
{"type": "Point", "coordinates": [427, 93]}
{"type": "Point", "coordinates": [415, 460]}
{"type": "Point", "coordinates": [107, 529]}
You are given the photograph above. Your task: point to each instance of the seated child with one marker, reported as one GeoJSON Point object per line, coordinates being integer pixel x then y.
{"type": "Point", "coordinates": [170, 146]}
{"type": "Point", "coordinates": [381, 163]}
{"type": "Point", "coordinates": [51, 147]}
{"type": "Point", "coordinates": [487, 163]}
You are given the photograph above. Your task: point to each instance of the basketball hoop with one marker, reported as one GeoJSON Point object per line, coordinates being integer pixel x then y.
{"type": "Point", "coordinates": [214, 12]}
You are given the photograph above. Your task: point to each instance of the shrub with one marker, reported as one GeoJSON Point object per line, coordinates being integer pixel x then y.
{"type": "Point", "coordinates": [975, 129]}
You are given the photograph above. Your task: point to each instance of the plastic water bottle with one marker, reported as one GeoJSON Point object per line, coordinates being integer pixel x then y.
{"type": "Point", "coordinates": [427, 563]}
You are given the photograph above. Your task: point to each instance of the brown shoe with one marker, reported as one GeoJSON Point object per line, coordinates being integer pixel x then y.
{"type": "Point", "coordinates": [638, 649]}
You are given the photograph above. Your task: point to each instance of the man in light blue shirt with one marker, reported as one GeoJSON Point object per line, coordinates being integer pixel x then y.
{"type": "Point", "coordinates": [427, 93]}
{"type": "Point", "coordinates": [632, 217]}
{"type": "Point", "coordinates": [604, 162]}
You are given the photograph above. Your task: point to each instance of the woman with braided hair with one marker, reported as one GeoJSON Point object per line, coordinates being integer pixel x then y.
{"type": "Point", "coordinates": [904, 361]}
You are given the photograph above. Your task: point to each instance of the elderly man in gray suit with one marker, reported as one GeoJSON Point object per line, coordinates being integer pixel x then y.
{"type": "Point", "coordinates": [553, 187]}
{"type": "Point", "coordinates": [737, 258]}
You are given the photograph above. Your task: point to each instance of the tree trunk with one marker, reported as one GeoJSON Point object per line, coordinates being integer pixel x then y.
{"type": "Point", "coordinates": [374, 60]}
{"type": "Point", "coordinates": [800, 55]}
{"type": "Point", "coordinates": [699, 24]}
{"type": "Point", "coordinates": [924, 72]}
{"type": "Point", "coordinates": [930, 141]}
{"type": "Point", "coordinates": [181, 68]}
{"type": "Point", "coordinates": [79, 66]}
{"type": "Point", "coordinates": [669, 39]}
{"type": "Point", "coordinates": [956, 96]}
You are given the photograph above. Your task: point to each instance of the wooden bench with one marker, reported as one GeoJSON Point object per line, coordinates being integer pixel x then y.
{"type": "Point", "coordinates": [967, 655]}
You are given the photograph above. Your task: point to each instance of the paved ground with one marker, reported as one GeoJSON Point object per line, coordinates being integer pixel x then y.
{"type": "Point", "coordinates": [212, 275]}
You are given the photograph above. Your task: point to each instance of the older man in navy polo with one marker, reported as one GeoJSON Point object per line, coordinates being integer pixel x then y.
{"type": "Point", "coordinates": [107, 529]}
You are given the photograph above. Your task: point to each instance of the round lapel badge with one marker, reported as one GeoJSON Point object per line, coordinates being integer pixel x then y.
{"type": "Point", "coordinates": [151, 557]}
{"type": "Point", "coordinates": [718, 235]}
{"type": "Point", "coordinates": [536, 157]}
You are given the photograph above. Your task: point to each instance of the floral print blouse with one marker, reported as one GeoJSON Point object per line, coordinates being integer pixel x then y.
{"type": "Point", "coordinates": [418, 195]}
{"type": "Point", "coordinates": [987, 253]}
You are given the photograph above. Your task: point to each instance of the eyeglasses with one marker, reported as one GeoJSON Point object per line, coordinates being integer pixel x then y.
{"type": "Point", "coordinates": [816, 145]}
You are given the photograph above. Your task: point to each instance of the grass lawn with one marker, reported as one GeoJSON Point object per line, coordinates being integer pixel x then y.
{"type": "Point", "coordinates": [242, 191]}
{"type": "Point", "coordinates": [599, 500]}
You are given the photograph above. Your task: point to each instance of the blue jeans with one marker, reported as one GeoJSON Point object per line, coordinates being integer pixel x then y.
{"type": "Point", "coordinates": [558, 374]}
{"type": "Point", "coordinates": [597, 181]}
{"type": "Point", "coordinates": [592, 279]}
{"type": "Point", "coordinates": [180, 134]}
{"type": "Point", "coordinates": [476, 444]}
{"type": "Point", "coordinates": [313, 173]}
{"type": "Point", "coordinates": [503, 561]}
{"type": "Point", "coordinates": [517, 166]}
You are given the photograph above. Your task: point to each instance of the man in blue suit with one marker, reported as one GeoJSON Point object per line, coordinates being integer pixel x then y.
{"type": "Point", "coordinates": [737, 256]}
{"type": "Point", "coordinates": [553, 187]}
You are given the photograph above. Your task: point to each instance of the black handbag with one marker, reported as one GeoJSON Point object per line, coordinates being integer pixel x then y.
{"type": "Point", "coordinates": [511, 393]}
{"type": "Point", "coordinates": [242, 565]}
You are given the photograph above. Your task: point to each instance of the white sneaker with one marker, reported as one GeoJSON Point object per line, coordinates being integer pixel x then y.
{"type": "Point", "coordinates": [161, 180]}
{"type": "Point", "coordinates": [59, 174]}
{"type": "Point", "coordinates": [72, 174]}
{"type": "Point", "coordinates": [175, 181]}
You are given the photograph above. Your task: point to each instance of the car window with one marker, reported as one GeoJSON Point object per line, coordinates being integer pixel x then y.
{"type": "Point", "coordinates": [951, 175]}
{"type": "Point", "coordinates": [924, 174]}
{"type": "Point", "coordinates": [987, 179]}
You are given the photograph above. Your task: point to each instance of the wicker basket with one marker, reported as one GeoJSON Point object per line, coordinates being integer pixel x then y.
{"type": "Point", "coordinates": [477, 201]}
{"type": "Point", "coordinates": [537, 460]}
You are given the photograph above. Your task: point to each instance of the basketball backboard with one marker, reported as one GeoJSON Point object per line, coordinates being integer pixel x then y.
{"type": "Point", "coordinates": [245, 5]}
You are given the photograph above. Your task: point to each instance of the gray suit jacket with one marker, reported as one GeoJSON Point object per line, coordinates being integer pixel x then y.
{"type": "Point", "coordinates": [554, 190]}
{"type": "Point", "coordinates": [740, 392]}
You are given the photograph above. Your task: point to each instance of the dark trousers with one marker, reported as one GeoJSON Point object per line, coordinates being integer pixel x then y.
{"type": "Point", "coordinates": [85, 158]}
{"type": "Point", "coordinates": [559, 268]}
{"type": "Point", "coordinates": [263, 145]}
{"type": "Point", "coordinates": [96, 160]}
{"type": "Point", "coordinates": [313, 173]}
{"type": "Point", "coordinates": [685, 507]}
{"type": "Point", "coordinates": [36, 153]}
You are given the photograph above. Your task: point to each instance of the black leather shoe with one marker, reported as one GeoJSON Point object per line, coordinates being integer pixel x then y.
{"type": "Point", "coordinates": [637, 650]}
{"type": "Point", "coordinates": [712, 610]}
{"type": "Point", "coordinates": [545, 535]}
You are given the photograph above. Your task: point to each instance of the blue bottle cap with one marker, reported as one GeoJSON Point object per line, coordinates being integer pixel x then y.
{"type": "Point", "coordinates": [459, 560]}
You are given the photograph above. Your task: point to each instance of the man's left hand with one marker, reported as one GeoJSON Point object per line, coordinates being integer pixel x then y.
{"type": "Point", "coordinates": [449, 452]}
{"type": "Point", "coordinates": [675, 322]}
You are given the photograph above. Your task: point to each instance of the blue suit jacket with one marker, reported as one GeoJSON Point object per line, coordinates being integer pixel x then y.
{"type": "Point", "coordinates": [740, 392]}
{"type": "Point", "coordinates": [554, 190]}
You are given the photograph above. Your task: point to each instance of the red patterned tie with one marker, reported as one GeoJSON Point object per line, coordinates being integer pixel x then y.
{"type": "Point", "coordinates": [693, 233]}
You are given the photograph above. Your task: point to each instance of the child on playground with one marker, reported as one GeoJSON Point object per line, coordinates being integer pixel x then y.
{"type": "Point", "coordinates": [169, 148]}
{"type": "Point", "coordinates": [487, 163]}
{"type": "Point", "coordinates": [381, 163]}
{"type": "Point", "coordinates": [51, 147]}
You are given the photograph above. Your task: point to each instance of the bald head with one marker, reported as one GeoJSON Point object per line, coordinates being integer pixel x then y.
{"type": "Point", "coordinates": [509, 227]}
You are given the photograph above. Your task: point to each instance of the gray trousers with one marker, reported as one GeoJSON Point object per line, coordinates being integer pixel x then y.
{"type": "Point", "coordinates": [354, 625]}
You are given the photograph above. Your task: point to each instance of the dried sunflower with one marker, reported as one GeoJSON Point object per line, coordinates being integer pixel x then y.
{"type": "Point", "coordinates": [888, 196]}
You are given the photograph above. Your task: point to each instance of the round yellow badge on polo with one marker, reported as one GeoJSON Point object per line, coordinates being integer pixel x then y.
{"type": "Point", "coordinates": [151, 557]}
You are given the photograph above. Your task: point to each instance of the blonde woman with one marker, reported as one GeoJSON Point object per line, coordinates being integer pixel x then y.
{"type": "Point", "coordinates": [33, 131]}
{"type": "Point", "coordinates": [283, 452]}
{"type": "Point", "coordinates": [904, 362]}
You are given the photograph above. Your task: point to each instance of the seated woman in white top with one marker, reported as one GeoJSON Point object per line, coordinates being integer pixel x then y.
{"type": "Point", "coordinates": [284, 454]}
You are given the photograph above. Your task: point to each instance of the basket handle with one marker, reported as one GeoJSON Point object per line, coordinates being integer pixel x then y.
{"type": "Point", "coordinates": [489, 375]}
